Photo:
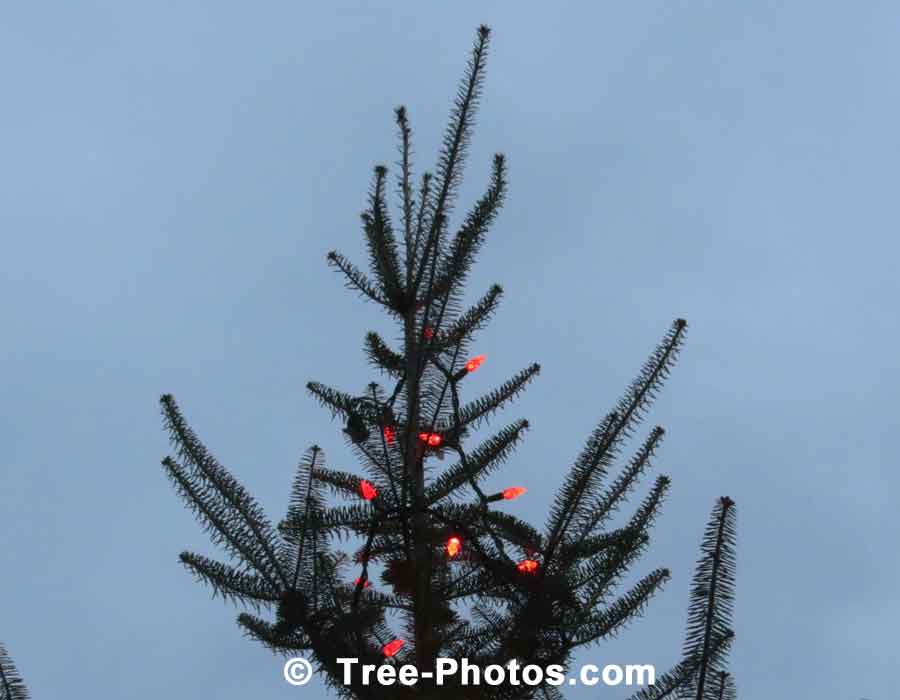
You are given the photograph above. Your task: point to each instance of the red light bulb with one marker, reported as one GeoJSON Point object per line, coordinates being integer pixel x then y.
{"type": "Point", "coordinates": [474, 363]}
{"type": "Point", "coordinates": [513, 492]}
{"type": "Point", "coordinates": [389, 434]}
{"type": "Point", "coordinates": [454, 546]}
{"type": "Point", "coordinates": [392, 648]}
{"type": "Point", "coordinates": [434, 439]}
{"type": "Point", "coordinates": [528, 566]}
{"type": "Point", "coordinates": [367, 491]}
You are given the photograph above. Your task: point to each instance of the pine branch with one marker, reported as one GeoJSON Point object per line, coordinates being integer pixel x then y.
{"type": "Point", "coordinates": [272, 636]}
{"type": "Point", "coordinates": [356, 280]}
{"type": "Point", "coordinates": [649, 508]}
{"type": "Point", "coordinates": [507, 526]}
{"type": "Point", "coordinates": [405, 186]}
{"type": "Point", "coordinates": [474, 414]}
{"type": "Point", "coordinates": [341, 403]}
{"type": "Point", "coordinates": [480, 463]}
{"type": "Point", "coordinates": [590, 547]}
{"type": "Point", "coordinates": [228, 582]}
{"type": "Point", "coordinates": [632, 540]}
{"type": "Point", "coordinates": [550, 693]}
{"type": "Point", "coordinates": [12, 687]}
{"type": "Point", "coordinates": [608, 503]}
{"type": "Point", "coordinates": [599, 574]}
{"type": "Point", "coordinates": [653, 374]}
{"type": "Point", "coordinates": [514, 530]}
{"type": "Point", "coordinates": [467, 323]}
{"type": "Point", "coordinates": [338, 521]}
{"type": "Point", "coordinates": [470, 237]}
{"type": "Point", "coordinates": [303, 496]}
{"type": "Point", "coordinates": [668, 684]}
{"type": "Point", "coordinates": [383, 254]}
{"type": "Point", "coordinates": [724, 686]}
{"type": "Point", "coordinates": [305, 510]}
{"type": "Point", "coordinates": [219, 522]}
{"type": "Point", "coordinates": [590, 466]}
{"type": "Point", "coordinates": [383, 357]}
{"type": "Point", "coordinates": [619, 613]}
{"type": "Point", "coordinates": [604, 443]}
{"type": "Point", "coordinates": [673, 681]}
{"type": "Point", "coordinates": [342, 483]}
{"type": "Point", "coordinates": [455, 146]}
{"type": "Point", "coordinates": [236, 505]}
{"type": "Point", "coordinates": [459, 130]}
{"type": "Point", "coordinates": [712, 596]}
{"type": "Point", "coordinates": [425, 197]}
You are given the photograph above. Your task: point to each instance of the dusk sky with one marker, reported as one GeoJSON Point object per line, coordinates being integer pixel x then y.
{"type": "Point", "coordinates": [173, 174]}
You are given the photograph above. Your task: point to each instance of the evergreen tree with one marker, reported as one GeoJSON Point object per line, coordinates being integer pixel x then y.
{"type": "Point", "coordinates": [442, 568]}
{"type": "Point", "coordinates": [12, 687]}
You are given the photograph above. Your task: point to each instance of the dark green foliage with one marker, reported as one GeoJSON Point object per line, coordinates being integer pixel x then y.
{"type": "Point", "coordinates": [701, 675]}
{"type": "Point", "coordinates": [723, 685]}
{"type": "Point", "coordinates": [671, 683]}
{"type": "Point", "coordinates": [479, 603]}
{"type": "Point", "coordinates": [228, 581]}
{"type": "Point", "coordinates": [712, 601]}
{"type": "Point", "coordinates": [12, 687]}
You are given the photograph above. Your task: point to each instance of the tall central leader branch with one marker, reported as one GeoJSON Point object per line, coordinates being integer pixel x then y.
{"type": "Point", "coordinates": [416, 473]}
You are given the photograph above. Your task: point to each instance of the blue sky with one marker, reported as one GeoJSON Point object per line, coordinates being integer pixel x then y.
{"type": "Point", "coordinates": [174, 173]}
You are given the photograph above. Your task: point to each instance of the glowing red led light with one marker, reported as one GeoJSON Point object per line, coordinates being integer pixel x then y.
{"type": "Point", "coordinates": [367, 491]}
{"type": "Point", "coordinates": [366, 583]}
{"type": "Point", "coordinates": [389, 434]}
{"type": "Point", "coordinates": [528, 566]}
{"type": "Point", "coordinates": [513, 492]}
{"type": "Point", "coordinates": [392, 648]}
{"type": "Point", "coordinates": [454, 546]}
{"type": "Point", "coordinates": [474, 363]}
{"type": "Point", "coordinates": [431, 439]}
